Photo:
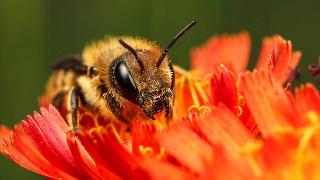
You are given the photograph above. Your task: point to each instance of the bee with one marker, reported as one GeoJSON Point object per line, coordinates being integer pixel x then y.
{"type": "Point", "coordinates": [118, 77]}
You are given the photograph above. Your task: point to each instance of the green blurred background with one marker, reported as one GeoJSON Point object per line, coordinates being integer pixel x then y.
{"type": "Point", "coordinates": [35, 32]}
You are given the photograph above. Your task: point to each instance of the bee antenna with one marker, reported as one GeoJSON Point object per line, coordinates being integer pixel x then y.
{"type": "Point", "coordinates": [127, 46]}
{"type": "Point", "coordinates": [175, 39]}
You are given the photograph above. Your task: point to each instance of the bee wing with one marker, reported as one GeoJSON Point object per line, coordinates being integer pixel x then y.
{"type": "Point", "coordinates": [73, 63]}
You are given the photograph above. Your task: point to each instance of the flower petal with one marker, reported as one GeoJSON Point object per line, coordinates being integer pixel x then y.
{"type": "Point", "coordinates": [187, 147]}
{"type": "Point", "coordinates": [48, 142]}
{"type": "Point", "coordinates": [275, 152]}
{"type": "Point", "coordinates": [222, 126]}
{"type": "Point", "coordinates": [223, 88]}
{"type": "Point", "coordinates": [307, 99]}
{"type": "Point", "coordinates": [84, 160]}
{"type": "Point", "coordinates": [144, 136]}
{"type": "Point", "coordinates": [159, 170]}
{"type": "Point", "coordinates": [267, 101]}
{"type": "Point", "coordinates": [285, 61]}
{"type": "Point", "coordinates": [231, 50]}
{"type": "Point", "coordinates": [291, 155]}
{"type": "Point", "coordinates": [110, 156]}
{"type": "Point", "coordinates": [226, 167]}
{"type": "Point", "coordinates": [21, 150]}
{"type": "Point", "coordinates": [4, 136]}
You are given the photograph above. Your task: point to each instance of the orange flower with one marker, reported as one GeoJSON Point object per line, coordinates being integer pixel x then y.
{"type": "Point", "coordinates": [233, 52]}
{"type": "Point", "coordinates": [227, 125]}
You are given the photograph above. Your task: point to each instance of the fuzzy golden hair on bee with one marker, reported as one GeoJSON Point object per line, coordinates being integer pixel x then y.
{"type": "Point", "coordinates": [119, 77]}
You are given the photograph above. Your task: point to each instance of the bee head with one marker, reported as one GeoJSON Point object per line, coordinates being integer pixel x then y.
{"type": "Point", "coordinates": [137, 78]}
{"type": "Point", "coordinates": [146, 77]}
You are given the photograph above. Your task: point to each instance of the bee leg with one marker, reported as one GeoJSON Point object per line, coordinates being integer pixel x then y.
{"type": "Point", "coordinates": [168, 104]}
{"type": "Point", "coordinates": [73, 102]}
{"type": "Point", "coordinates": [115, 107]}
{"type": "Point", "coordinates": [168, 108]}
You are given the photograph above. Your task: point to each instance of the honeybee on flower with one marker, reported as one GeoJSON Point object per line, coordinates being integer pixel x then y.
{"type": "Point", "coordinates": [228, 123]}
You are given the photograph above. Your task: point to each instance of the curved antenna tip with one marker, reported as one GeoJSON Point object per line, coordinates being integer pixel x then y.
{"type": "Point", "coordinates": [175, 39]}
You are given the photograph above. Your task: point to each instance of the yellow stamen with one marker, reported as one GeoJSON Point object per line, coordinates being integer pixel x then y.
{"type": "Point", "coordinates": [94, 118]}
{"type": "Point", "coordinates": [255, 167]}
{"type": "Point", "coordinates": [305, 139]}
{"type": "Point", "coordinates": [161, 153]}
{"type": "Point", "coordinates": [193, 92]}
{"type": "Point", "coordinates": [314, 118]}
{"type": "Point", "coordinates": [251, 147]}
{"type": "Point", "coordinates": [161, 122]}
{"type": "Point", "coordinates": [301, 153]}
{"type": "Point", "coordinates": [193, 109]}
{"type": "Point", "coordinates": [201, 92]}
{"type": "Point", "coordinates": [208, 77]}
{"type": "Point", "coordinates": [204, 109]}
{"type": "Point", "coordinates": [249, 150]}
{"type": "Point", "coordinates": [199, 110]}
{"type": "Point", "coordinates": [95, 121]}
{"type": "Point", "coordinates": [241, 100]}
{"type": "Point", "coordinates": [282, 129]}
{"type": "Point", "coordinates": [180, 70]}
{"type": "Point", "coordinates": [145, 151]}
{"type": "Point", "coordinates": [97, 129]}
{"type": "Point", "coordinates": [309, 132]}
{"type": "Point", "coordinates": [239, 110]}
{"type": "Point", "coordinates": [115, 132]}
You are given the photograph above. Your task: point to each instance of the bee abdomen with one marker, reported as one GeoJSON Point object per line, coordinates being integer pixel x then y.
{"type": "Point", "coordinates": [60, 82]}
{"type": "Point", "coordinates": [67, 70]}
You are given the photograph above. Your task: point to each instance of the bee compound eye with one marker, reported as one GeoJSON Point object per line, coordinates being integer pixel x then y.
{"type": "Point", "coordinates": [125, 82]}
